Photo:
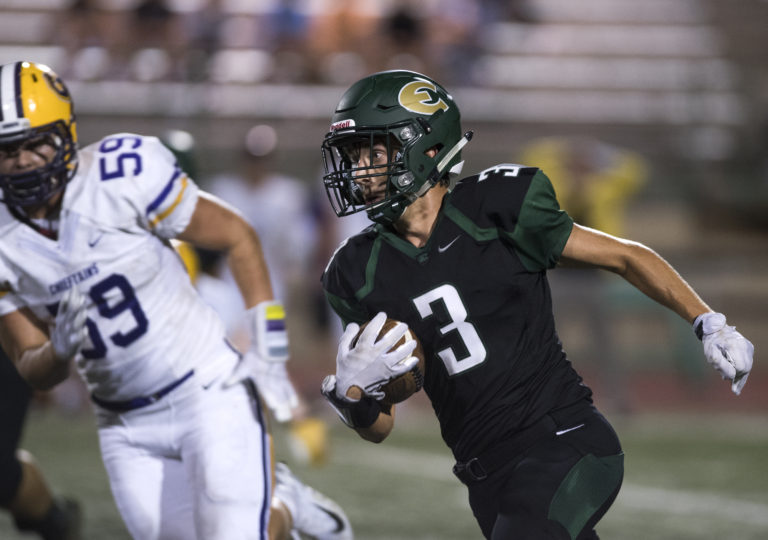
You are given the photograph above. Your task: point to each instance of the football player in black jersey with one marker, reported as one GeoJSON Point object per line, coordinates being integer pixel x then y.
{"type": "Point", "coordinates": [463, 264]}
{"type": "Point", "coordinates": [24, 491]}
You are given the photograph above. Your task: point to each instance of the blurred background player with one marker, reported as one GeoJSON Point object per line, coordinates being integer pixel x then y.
{"type": "Point", "coordinates": [88, 275]}
{"type": "Point", "coordinates": [308, 435]}
{"type": "Point", "coordinates": [278, 206]}
{"type": "Point", "coordinates": [24, 491]}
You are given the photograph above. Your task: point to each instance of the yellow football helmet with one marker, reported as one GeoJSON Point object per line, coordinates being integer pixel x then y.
{"type": "Point", "coordinates": [35, 107]}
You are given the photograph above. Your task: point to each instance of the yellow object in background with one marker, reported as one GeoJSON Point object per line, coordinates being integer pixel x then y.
{"type": "Point", "coordinates": [308, 441]}
{"type": "Point", "coordinates": [593, 180]}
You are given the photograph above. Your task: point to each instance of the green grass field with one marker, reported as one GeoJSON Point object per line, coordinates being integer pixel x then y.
{"type": "Point", "coordinates": [687, 477]}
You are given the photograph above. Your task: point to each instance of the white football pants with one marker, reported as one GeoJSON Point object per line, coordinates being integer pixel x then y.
{"type": "Point", "coordinates": [193, 466]}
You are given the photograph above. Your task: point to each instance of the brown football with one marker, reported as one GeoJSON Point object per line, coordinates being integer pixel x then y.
{"type": "Point", "coordinates": [404, 386]}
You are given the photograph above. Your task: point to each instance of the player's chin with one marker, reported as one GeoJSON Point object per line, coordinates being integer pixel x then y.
{"type": "Point", "coordinates": [373, 199]}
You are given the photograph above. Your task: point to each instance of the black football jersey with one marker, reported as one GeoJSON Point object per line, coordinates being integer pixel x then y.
{"type": "Point", "coordinates": [477, 297]}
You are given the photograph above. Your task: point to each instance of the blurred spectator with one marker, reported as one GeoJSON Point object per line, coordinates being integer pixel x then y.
{"type": "Point", "coordinates": [97, 36]}
{"type": "Point", "coordinates": [288, 24]}
{"type": "Point", "coordinates": [454, 28]}
{"type": "Point", "coordinates": [287, 27]}
{"type": "Point", "coordinates": [340, 36]}
{"type": "Point", "coordinates": [594, 181]}
{"type": "Point", "coordinates": [203, 28]}
{"type": "Point", "coordinates": [405, 39]}
{"type": "Point", "coordinates": [520, 11]}
{"type": "Point", "coordinates": [277, 206]}
{"type": "Point", "coordinates": [326, 41]}
{"type": "Point", "coordinates": [162, 42]}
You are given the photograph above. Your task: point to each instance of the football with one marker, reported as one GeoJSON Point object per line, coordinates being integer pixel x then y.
{"type": "Point", "coordinates": [404, 386]}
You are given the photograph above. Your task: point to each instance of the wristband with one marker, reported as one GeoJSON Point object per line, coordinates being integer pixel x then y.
{"type": "Point", "coordinates": [266, 325]}
{"type": "Point", "coordinates": [355, 414]}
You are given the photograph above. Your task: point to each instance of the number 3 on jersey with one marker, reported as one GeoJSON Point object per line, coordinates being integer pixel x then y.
{"type": "Point", "coordinates": [450, 298]}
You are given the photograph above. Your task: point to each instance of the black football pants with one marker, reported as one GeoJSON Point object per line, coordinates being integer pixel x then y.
{"type": "Point", "coordinates": [558, 488]}
{"type": "Point", "coordinates": [15, 396]}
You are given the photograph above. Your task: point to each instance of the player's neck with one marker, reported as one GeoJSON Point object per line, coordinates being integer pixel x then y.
{"type": "Point", "coordinates": [420, 217]}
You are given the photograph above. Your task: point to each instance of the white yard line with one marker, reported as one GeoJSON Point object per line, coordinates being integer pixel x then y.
{"type": "Point", "coordinates": [437, 467]}
{"type": "Point", "coordinates": [694, 503]}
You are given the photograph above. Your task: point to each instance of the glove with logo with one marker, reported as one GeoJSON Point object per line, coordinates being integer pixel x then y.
{"type": "Point", "coordinates": [726, 350]}
{"type": "Point", "coordinates": [69, 330]}
{"type": "Point", "coordinates": [265, 359]}
{"type": "Point", "coordinates": [370, 364]}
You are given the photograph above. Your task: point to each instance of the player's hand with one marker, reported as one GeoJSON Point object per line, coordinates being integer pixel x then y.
{"type": "Point", "coordinates": [370, 364]}
{"type": "Point", "coordinates": [69, 331]}
{"type": "Point", "coordinates": [267, 356]}
{"type": "Point", "coordinates": [274, 386]}
{"type": "Point", "coordinates": [272, 382]}
{"type": "Point", "coordinates": [726, 350]}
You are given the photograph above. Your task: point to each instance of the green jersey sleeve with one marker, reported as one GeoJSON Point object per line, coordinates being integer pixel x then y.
{"type": "Point", "coordinates": [343, 283]}
{"type": "Point", "coordinates": [516, 204]}
{"type": "Point", "coordinates": [542, 228]}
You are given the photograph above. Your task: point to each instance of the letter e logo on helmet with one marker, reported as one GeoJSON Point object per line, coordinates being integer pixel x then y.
{"type": "Point", "coordinates": [421, 97]}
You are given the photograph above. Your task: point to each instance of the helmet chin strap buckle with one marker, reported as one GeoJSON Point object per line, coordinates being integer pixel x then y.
{"type": "Point", "coordinates": [437, 172]}
{"type": "Point", "coordinates": [443, 163]}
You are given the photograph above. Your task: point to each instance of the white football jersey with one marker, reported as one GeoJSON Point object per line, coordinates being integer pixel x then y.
{"type": "Point", "coordinates": [146, 323]}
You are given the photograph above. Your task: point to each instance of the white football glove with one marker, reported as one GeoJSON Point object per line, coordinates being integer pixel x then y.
{"type": "Point", "coordinates": [726, 350]}
{"type": "Point", "coordinates": [275, 386]}
{"type": "Point", "coordinates": [69, 331]}
{"type": "Point", "coordinates": [369, 364]}
{"type": "Point", "coordinates": [267, 356]}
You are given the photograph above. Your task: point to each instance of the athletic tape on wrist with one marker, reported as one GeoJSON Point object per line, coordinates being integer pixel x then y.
{"type": "Point", "coordinates": [269, 336]}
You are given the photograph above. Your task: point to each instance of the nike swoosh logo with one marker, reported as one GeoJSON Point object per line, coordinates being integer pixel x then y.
{"type": "Point", "coordinates": [562, 431]}
{"type": "Point", "coordinates": [440, 249]}
{"type": "Point", "coordinates": [93, 241]}
{"type": "Point", "coordinates": [339, 522]}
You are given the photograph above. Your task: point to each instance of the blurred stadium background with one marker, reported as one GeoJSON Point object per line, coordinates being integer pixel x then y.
{"type": "Point", "coordinates": [658, 108]}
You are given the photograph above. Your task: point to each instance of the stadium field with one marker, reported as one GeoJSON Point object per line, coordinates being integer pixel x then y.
{"type": "Point", "coordinates": [687, 477]}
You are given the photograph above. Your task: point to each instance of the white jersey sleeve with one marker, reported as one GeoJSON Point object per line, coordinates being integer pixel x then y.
{"type": "Point", "coordinates": [140, 181]}
{"type": "Point", "coordinates": [168, 208]}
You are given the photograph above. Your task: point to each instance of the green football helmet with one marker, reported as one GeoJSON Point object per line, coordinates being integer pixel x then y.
{"type": "Point", "coordinates": [410, 114]}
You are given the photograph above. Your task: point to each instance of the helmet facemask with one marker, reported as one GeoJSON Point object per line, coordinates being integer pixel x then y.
{"type": "Point", "coordinates": [417, 121]}
{"type": "Point", "coordinates": [345, 176]}
{"type": "Point", "coordinates": [35, 187]}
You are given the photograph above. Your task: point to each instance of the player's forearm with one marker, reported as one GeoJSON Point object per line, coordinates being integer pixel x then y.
{"type": "Point", "coordinates": [249, 268]}
{"type": "Point", "coordinates": [216, 225]}
{"type": "Point", "coordinates": [380, 429]}
{"type": "Point", "coordinates": [655, 277]}
{"type": "Point", "coordinates": [41, 368]}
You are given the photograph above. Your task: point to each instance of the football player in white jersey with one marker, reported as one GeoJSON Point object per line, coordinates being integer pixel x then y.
{"type": "Point", "coordinates": [87, 274]}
